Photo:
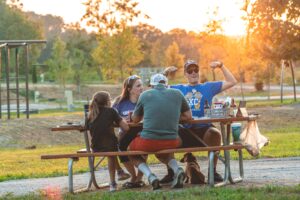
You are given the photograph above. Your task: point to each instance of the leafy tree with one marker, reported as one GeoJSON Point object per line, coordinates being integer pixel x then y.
{"type": "Point", "coordinates": [149, 36]}
{"type": "Point", "coordinates": [173, 57]}
{"type": "Point", "coordinates": [118, 53]}
{"type": "Point", "coordinates": [60, 66]}
{"type": "Point", "coordinates": [80, 45]}
{"type": "Point", "coordinates": [274, 31]}
{"type": "Point", "coordinates": [15, 25]}
{"type": "Point", "coordinates": [110, 16]}
{"type": "Point", "coordinates": [274, 28]}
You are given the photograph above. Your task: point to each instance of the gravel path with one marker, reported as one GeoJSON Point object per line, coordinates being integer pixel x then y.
{"type": "Point", "coordinates": [260, 172]}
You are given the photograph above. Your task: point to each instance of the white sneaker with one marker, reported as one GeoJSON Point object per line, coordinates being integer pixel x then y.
{"type": "Point", "coordinates": [113, 187]}
{"type": "Point", "coordinates": [178, 178]}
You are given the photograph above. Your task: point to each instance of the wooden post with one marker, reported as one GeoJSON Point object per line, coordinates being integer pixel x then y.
{"type": "Point", "coordinates": [241, 82]}
{"type": "Point", "coordinates": [293, 78]}
{"type": "Point", "coordinates": [0, 82]}
{"type": "Point", "coordinates": [26, 79]}
{"type": "Point", "coordinates": [17, 81]}
{"type": "Point", "coordinates": [281, 81]}
{"type": "Point", "coordinates": [7, 63]}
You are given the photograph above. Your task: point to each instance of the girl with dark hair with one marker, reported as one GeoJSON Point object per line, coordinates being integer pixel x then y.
{"type": "Point", "coordinates": [125, 104]}
{"type": "Point", "coordinates": [100, 122]}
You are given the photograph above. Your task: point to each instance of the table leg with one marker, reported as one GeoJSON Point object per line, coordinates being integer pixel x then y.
{"type": "Point", "coordinates": [227, 158]}
{"type": "Point", "coordinates": [241, 169]}
{"type": "Point", "coordinates": [70, 175]}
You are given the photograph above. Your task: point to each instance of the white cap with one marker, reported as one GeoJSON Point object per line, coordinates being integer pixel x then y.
{"type": "Point", "coordinates": [156, 78]}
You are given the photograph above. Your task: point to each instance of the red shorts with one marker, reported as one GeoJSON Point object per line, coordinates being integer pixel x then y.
{"type": "Point", "coordinates": [150, 145]}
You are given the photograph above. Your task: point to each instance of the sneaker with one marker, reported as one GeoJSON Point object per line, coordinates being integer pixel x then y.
{"type": "Point", "coordinates": [153, 180]}
{"type": "Point", "coordinates": [167, 178]}
{"type": "Point", "coordinates": [113, 187]}
{"type": "Point", "coordinates": [123, 175]}
{"type": "Point", "coordinates": [178, 178]}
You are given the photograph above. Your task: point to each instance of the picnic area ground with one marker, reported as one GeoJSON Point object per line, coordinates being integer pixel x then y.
{"type": "Point", "coordinates": [265, 171]}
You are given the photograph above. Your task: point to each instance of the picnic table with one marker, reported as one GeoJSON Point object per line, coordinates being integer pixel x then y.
{"type": "Point", "coordinates": [225, 124]}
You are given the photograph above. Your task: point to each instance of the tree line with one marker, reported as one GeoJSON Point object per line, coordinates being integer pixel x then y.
{"type": "Point", "coordinates": [116, 49]}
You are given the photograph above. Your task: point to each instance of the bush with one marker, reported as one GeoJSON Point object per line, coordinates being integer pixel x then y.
{"type": "Point", "coordinates": [259, 86]}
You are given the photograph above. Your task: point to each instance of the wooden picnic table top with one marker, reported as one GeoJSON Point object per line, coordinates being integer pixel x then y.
{"type": "Point", "coordinates": [79, 127]}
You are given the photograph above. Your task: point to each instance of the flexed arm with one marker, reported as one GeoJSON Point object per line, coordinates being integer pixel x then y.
{"type": "Point", "coordinates": [230, 80]}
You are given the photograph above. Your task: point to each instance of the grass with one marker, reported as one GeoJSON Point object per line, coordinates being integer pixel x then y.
{"type": "Point", "coordinates": [224, 193]}
{"type": "Point", "coordinates": [270, 103]}
{"type": "Point", "coordinates": [79, 110]}
{"type": "Point", "coordinates": [20, 163]}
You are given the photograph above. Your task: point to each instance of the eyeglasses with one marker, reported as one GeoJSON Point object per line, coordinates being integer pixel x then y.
{"type": "Point", "coordinates": [191, 70]}
{"type": "Point", "coordinates": [133, 77]}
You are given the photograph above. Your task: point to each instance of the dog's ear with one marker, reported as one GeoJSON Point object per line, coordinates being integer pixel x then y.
{"type": "Point", "coordinates": [184, 158]}
{"type": "Point", "coordinates": [191, 157]}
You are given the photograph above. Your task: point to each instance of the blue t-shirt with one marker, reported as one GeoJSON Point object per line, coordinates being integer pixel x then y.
{"type": "Point", "coordinates": [124, 107]}
{"type": "Point", "coordinates": [196, 96]}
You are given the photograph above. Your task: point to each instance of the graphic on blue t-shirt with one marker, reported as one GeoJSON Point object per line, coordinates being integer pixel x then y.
{"type": "Point", "coordinates": [124, 108]}
{"type": "Point", "coordinates": [197, 94]}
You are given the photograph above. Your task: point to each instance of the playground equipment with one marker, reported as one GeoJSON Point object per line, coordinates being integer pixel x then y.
{"type": "Point", "coordinates": [10, 76]}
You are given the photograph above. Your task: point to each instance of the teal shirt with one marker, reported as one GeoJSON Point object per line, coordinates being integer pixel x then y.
{"type": "Point", "coordinates": [161, 108]}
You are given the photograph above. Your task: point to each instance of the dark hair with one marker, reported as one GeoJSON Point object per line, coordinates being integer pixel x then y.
{"type": "Point", "coordinates": [100, 99]}
{"type": "Point", "coordinates": [127, 84]}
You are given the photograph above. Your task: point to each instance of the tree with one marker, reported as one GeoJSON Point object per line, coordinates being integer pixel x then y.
{"type": "Point", "coordinates": [173, 57]}
{"type": "Point", "coordinates": [274, 29]}
{"type": "Point", "coordinates": [110, 16]}
{"type": "Point", "coordinates": [15, 25]}
{"type": "Point", "coordinates": [59, 62]}
{"type": "Point", "coordinates": [120, 52]}
{"type": "Point", "coordinates": [80, 46]}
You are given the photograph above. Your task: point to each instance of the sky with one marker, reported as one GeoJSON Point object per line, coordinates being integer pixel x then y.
{"type": "Point", "coordinates": [166, 15]}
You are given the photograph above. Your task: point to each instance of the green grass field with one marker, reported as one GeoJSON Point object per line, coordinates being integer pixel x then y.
{"type": "Point", "coordinates": [19, 164]}
{"type": "Point", "coordinates": [225, 193]}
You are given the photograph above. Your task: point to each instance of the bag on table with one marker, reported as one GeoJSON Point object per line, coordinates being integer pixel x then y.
{"type": "Point", "coordinates": [252, 139]}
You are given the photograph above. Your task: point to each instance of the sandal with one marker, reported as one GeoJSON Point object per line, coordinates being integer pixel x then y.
{"type": "Point", "coordinates": [129, 185]}
{"type": "Point", "coordinates": [140, 183]}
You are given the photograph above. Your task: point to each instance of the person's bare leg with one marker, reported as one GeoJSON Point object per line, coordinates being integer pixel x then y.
{"type": "Point", "coordinates": [118, 167]}
{"type": "Point", "coordinates": [130, 168]}
{"type": "Point", "coordinates": [140, 163]}
{"type": "Point", "coordinates": [212, 137]}
{"type": "Point", "coordinates": [112, 168]}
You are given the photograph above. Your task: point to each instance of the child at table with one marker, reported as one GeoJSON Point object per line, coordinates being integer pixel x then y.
{"type": "Point", "coordinates": [100, 121]}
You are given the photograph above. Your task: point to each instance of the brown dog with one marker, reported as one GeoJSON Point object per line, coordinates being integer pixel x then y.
{"type": "Point", "coordinates": [192, 170]}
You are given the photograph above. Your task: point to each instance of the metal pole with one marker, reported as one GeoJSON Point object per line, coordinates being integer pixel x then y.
{"type": "Point", "coordinates": [22, 41]}
{"type": "Point", "coordinates": [281, 81]}
{"type": "Point", "coordinates": [17, 82]}
{"type": "Point", "coordinates": [26, 80]}
{"type": "Point", "coordinates": [0, 83]}
{"type": "Point", "coordinates": [7, 81]}
{"type": "Point", "coordinates": [293, 78]}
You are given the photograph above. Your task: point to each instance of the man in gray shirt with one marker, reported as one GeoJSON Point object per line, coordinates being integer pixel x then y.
{"type": "Point", "coordinates": [161, 109]}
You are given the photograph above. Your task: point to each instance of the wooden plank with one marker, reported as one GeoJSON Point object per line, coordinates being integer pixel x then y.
{"type": "Point", "coordinates": [194, 121]}
{"type": "Point", "coordinates": [131, 153]}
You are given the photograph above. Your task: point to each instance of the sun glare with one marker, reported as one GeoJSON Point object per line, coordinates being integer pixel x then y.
{"type": "Point", "coordinates": [191, 15]}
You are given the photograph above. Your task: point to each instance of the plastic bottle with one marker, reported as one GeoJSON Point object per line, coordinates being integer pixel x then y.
{"type": "Point", "coordinates": [233, 108]}
{"type": "Point", "coordinates": [206, 109]}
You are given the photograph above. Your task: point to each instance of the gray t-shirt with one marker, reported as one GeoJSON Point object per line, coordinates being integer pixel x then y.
{"type": "Point", "coordinates": [161, 108]}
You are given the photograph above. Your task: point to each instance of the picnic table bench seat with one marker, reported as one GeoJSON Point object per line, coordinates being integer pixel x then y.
{"type": "Point", "coordinates": [82, 153]}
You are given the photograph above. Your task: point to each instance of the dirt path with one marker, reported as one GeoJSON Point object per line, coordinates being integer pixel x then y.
{"type": "Point", "coordinates": [260, 172]}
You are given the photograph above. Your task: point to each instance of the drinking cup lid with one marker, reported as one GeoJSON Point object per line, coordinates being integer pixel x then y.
{"type": "Point", "coordinates": [236, 125]}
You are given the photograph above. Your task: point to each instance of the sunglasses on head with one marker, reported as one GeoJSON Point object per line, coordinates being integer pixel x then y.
{"type": "Point", "coordinates": [191, 70]}
{"type": "Point", "coordinates": [133, 77]}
